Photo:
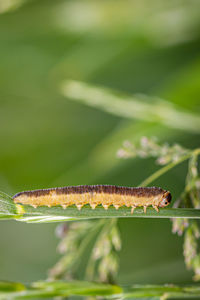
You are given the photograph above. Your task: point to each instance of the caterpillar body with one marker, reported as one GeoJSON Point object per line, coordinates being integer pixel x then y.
{"type": "Point", "coordinates": [105, 195]}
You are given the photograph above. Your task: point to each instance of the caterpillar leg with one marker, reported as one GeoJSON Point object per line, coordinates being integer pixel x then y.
{"type": "Point", "coordinates": [64, 206]}
{"type": "Point", "coordinates": [93, 205]}
{"type": "Point", "coordinates": [156, 208]}
{"type": "Point", "coordinates": [105, 206]}
{"type": "Point", "coordinates": [145, 208]}
{"type": "Point", "coordinates": [79, 206]}
{"type": "Point", "coordinates": [132, 209]}
{"type": "Point", "coordinates": [34, 205]}
{"type": "Point", "coordinates": [116, 206]}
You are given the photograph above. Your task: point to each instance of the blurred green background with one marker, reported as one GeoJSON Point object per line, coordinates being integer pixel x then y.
{"type": "Point", "coordinates": [139, 46]}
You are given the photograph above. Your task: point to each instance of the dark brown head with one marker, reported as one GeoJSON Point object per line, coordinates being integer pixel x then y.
{"type": "Point", "coordinates": [166, 199]}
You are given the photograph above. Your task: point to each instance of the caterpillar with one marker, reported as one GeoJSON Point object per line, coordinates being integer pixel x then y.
{"type": "Point", "coordinates": [105, 195]}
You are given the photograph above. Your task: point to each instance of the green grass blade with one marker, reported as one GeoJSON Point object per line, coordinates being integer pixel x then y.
{"type": "Point", "coordinates": [157, 110]}
{"type": "Point", "coordinates": [7, 206]}
{"type": "Point", "coordinates": [45, 289]}
{"type": "Point", "coordinates": [162, 292]}
{"type": "Point", "coordinates": [57, 214]}
{"type": "Point", "coordinates": [72, 213]}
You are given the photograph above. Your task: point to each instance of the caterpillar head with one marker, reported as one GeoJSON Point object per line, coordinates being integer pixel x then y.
{"type": "Point", "coordinates": [166, 199]}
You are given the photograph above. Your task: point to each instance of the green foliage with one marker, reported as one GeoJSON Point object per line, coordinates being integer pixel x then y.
{"type": "Point", "coordinates": [164, 154]}
{"type": "Point", "coordinates": [45, 289]}
{"type": "Point", "coordinates": [132, 107]}
{"type": "Point", "coordinates": [121, 60]}
{"type": "Point", "coordinates": [76, 240]}
{"type": "Point", "coordinates": [7, 207]}
{"type": "Point", "coordinates": [190, 197]}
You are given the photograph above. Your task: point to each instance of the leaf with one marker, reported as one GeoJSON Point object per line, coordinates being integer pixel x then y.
{"type": "Point", "coordinates": [6, 286]}
{"type": "Point", "coordinates": [45, 289]}
{"type": "Point", "coordinates": [57, 288]}
{"type": "Point", "coordinates": [80, 288]}
{"type": "Point", "coordinates": [132, 107]}
{"type": "Point", "coordinates": [57, 214]}
{"type": "Point", "coordinates": [7, 206]}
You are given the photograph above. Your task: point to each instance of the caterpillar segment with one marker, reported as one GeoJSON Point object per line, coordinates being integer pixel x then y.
{"type": "Point", "coordinates": [94, 195]}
